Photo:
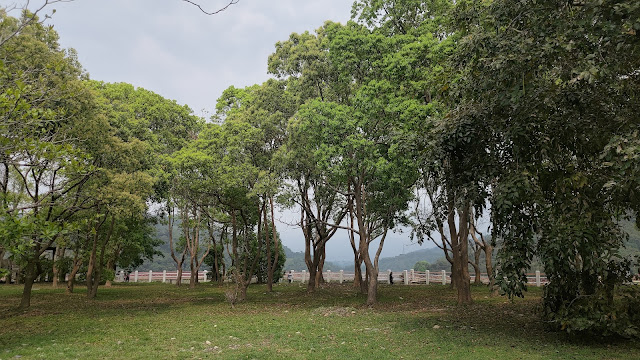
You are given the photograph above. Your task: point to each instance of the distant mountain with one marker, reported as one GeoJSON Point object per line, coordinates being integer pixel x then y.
{"type": "Point", "coordinates": [295, 261]}
{"type": "Point", "coordinates": [632, 247]}
{"type": "Point", "coordinates": [407, 261]}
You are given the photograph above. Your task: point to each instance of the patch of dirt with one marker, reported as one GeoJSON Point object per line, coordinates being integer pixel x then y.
{"type": "Point", "coordinates": [334, 311]}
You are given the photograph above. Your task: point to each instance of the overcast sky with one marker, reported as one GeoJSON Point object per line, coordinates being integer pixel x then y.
{"type": "Point", "coordinates": [170, 47]}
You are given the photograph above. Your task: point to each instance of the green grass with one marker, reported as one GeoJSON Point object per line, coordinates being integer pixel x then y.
{"type": "Point", "coordinates": [157, 321]}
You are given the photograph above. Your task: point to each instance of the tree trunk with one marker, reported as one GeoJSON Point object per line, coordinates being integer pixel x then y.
{"type": "Point", "coordinates": [476, 265]}
{"type": "Point", "coordinates": [460, 247]}
{"type": "Point", "coordinates": [56, 270]}
{"type": "Point", "coordinates": [111, 265]}
{"type": "Point", "coordinates": [268, 245]}
{"type": "Point", "coordinates": [92, 258]}
{"type": "Point", "coordinates": [31, 274]}
{"type": "Point", "coordinates": [373, 285]}
{"type": "Point", "coordinates": [358, 282]}
{"type": "Point", "coordinates": [77, 262]}
{"type": "Point", "coordinates": [194, 275]}
{"type": "Point", "coordinates": [92, 291]}
{"type": "Point", "coordinates": [179, 276]}
{"type": "Point", "coordinates": [276, 247]}
{"type": "Point", "coordinates": [488, 253]}
{"type": "Point", "coordinates": [320, 273]}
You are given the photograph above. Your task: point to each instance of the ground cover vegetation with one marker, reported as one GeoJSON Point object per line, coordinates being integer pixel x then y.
{"type": "Point", "coordinates": [147, 321]}
{"type": "Point", "coordinates": [430, 114]}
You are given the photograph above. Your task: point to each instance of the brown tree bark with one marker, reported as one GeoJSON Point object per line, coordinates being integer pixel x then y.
{"type": "Point", "coordinates": [271, 267]}
{"type": "Point", "coordinates": [486, 246]}
{"type": "Point", "coordinates": [476, 264]}
{"type": "Point", "coordinates": [192, 236]}
{"type": "Point", "coordinates": [178, 260]}
{"type": "Point", "coordinates": [460, 250]}
{"type": "Point", "coordinates": [31, 273]}
{"type": "Point", "coordinates": [56, 269]}
{"type": "Point", "coordinates": [77, 262]}
{"type": "Point", "coordinates": [92, 291]}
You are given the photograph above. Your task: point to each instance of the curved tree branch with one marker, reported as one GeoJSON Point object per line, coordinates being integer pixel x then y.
{"type": "Point", "coordinates": [231, 2]}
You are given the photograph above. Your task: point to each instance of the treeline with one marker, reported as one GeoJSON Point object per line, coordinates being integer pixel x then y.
{"type": "Point", "coordinates": [426, 114]}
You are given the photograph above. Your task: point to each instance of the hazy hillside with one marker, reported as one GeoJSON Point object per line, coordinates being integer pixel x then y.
{"type": "Point", "coordinates": [295, 260]}
{"type": "Point", "coordinates": [632, 247]}
{"type": "Point", "coordinates": [407, 261]}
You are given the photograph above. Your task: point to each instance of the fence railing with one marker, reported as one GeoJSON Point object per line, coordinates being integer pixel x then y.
{"type": "Point", "coordinates": [406, 277]}
{"type": "Point", "coordinates": [160, 276]}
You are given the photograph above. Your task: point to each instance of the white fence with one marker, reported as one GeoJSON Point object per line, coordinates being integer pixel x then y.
{"type": "Point", "coordinates": [406, 277]}
{"type": "Point", "coordinates": [162, 276]}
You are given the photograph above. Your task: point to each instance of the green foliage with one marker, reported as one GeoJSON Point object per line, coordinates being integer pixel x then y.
{"type": "Point", "coordinates": [421, 266]}
{"type": "Point", "coordinates": [553, 86]}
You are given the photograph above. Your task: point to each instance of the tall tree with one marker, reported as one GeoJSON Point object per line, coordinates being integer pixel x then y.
{"type": "Point", "coordinates": [44, 105]}
{"type": "Point", "coordinates": [554, 87]}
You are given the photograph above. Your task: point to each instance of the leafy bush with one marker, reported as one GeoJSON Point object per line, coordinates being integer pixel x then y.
{"type": "Point", "coordinates": [612, 308]}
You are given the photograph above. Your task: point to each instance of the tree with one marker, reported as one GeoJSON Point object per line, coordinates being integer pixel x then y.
{"type": "Point", "coordinates": [45, 160]}
{"type": "Point", "coordinates": [304, 61]}
{"type": "Point", "coordinates": [554, 87]}
{"type": "Point", "coordinates": [149, 128]}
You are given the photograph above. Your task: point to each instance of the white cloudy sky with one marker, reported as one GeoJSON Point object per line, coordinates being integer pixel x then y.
{"type": "Point", "coordinates": [173, 49]}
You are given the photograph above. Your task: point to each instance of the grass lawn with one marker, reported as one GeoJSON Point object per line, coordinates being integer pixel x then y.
{"type": "Point", "coordinates": [161, 321]}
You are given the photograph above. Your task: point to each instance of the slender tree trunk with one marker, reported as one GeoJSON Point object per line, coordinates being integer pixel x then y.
{"type": "Point", "coordinates": [268, 246]}
{"type": "Point", "coordinates": [488, 253]}
{"type": "Point", "coordinates": [460, 247]}
{"type": "Point", "coordinates": [276, 247]}
{"type": "Point", "coordinates": [178, 260]}
{"type": "Point", "coordinates": [93, 290]}
{"type": "Point", "coordinates": [476, 265]}
{"type": "Point", "coordinates": [111, 265]}
{"type": "Point", "coordinates": [56, 269]}
{"type": "Point", "coordinates": [31, 273]}
{"type": "Point", "coordinates": [179, 275]}
{"type": "Point", "coordinates": [77, 262]}
{"type": "Point", "coordinates": [320, 273]}
{"type": "Point", "coordinates": [194, 275]}
{"type": "Point", "coordinates": [92, 257]}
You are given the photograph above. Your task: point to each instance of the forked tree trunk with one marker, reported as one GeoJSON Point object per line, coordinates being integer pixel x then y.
{"type": "Point", "coordinates": [77, 262]}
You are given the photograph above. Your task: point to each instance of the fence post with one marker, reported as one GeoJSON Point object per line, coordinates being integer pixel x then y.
{"type": "Point", "coordinates": [304, 275]}
{"type": "Point", "coordinates": [538, 281]}
{"type": "Point", "coordinates": [204, 276]}
{"type": "Point", "coordinates": [406, 277]}
{"type": "Point", "coordinates": [164, 276]}
{"type": "Point", "coordinates": [150, 275]}
{"type": "Point", "coordinates": [328, 276]}
{"type": "Point", "coordinates": [427, 273]}
{"type": "Point", "coordinates": [122, 275]}
{"type": "Point", "coordinates": [389, 276]}
{"type": "Point", "coordinates": [444, 277]}
{"type": "Point", "coordinates": [135, 276]}
{"type": "Point", "coordinates": [341, 276]}
{"type": "Point", "coordinates": [413, 276]}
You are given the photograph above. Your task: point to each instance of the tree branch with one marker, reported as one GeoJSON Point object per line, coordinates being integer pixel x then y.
{"type": "Point", "coordinates": [231, 2]}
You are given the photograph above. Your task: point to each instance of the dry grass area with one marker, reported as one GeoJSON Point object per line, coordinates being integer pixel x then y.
{"type": "Point", "coordinates": [159, 321]}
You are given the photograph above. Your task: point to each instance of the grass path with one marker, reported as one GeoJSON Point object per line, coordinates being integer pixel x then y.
{"type": "Point", "coordinates": [158, 321]}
